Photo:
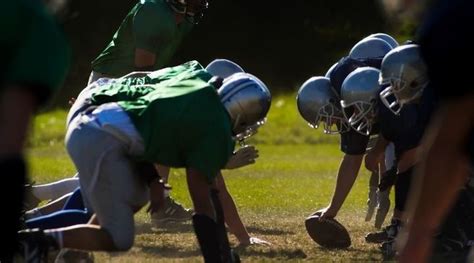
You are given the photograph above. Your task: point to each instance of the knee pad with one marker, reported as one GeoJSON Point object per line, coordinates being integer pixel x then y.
{"type": "Point", "coordinates": [122, 238]}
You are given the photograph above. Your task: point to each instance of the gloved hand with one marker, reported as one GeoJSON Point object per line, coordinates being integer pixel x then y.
{"type": "Point", "coordinates": [383, 199]}
{"type": "Point", "coordinates": [372, 200]}
{"type": "Point", "coordinates": [244, 156]}
{"type": "Point", "coordinates": [389, 178]}
{"type": "Point", "coordinates": [254, 241]}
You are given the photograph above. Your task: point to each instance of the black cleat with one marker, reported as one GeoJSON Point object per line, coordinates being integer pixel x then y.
{"type": "Point", "coordinates": [34, 245]}
{"type": "Point", "coordinates": [389, 232]}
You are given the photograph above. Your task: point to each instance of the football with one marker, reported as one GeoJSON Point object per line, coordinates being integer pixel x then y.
{"type": "Point", "coordinates": [328, 233]}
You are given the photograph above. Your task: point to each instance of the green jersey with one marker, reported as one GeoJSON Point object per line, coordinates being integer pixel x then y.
{"type": "Point", "coordinates": [151, 26]}
{"type": "Point", "coordinates": [35, 52]}
{"type": "Point", "coordinates": [179, 116]}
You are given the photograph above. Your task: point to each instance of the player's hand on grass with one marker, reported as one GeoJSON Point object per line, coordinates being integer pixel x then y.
{"type": "Point", "coordinates": [244, 156]}
{"type": "Point", "coordinates": [254, 241]}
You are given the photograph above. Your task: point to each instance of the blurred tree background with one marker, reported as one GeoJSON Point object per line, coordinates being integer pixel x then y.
{"type": "Point", "coordinates": [284, 43]}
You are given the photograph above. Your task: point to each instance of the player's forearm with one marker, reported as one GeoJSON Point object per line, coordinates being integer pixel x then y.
{"type": "Point", "coordinates": [231, 215]}
{"type": "Point", "coordinates": [408, 160]}
{"type": "Point", "coordinates": [348, 170]}
{"type": "Point", "coordinates": [380, 146]}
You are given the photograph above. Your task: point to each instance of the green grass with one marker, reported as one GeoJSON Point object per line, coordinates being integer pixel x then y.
{"type": "Point", "coordinates": [294, 176]}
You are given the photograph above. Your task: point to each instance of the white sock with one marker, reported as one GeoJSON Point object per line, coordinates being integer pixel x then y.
{"type": "Point", "coordinates": [167, 193]}
{"type": "Point", "coordinates": [56, 189]}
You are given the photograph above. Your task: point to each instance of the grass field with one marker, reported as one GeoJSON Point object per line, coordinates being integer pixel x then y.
{"type": "Point", "coordinates": [294, 176]}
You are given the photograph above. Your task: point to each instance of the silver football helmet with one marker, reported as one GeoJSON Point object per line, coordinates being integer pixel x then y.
{"type": "Point", "coordinates": [223, 68]}
{"type": "Point", "coordinates": [359, 94]}
{"type": "Point", "coordinates": [388, 38]}
{"type": "Point", "coordinates": [328, 73]}
{"type": "Point", "coordinates": [317, 102]}
{"type": "Point", "coordinates": [247, 100]}
{"type": "Point", "coordinates": [370, 48]}
{"type": "Point", "coordinates": [404, 71]}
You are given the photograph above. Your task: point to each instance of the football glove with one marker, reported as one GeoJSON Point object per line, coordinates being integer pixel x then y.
{"type": "Point", "coordinates": [243, 156]}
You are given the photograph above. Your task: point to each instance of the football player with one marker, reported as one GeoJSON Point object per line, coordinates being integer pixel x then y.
{"type": "Point", "coordinates": [450, 144]}
{"type": "Point", "coordinates": [409, 90]}
{"type": "Point", "coordinates": [323, 106]}
{"type": "Point", "coordinates": [146, 40]}
{"type": "Point", "coordinates": [34, 63]}
{"type": "Point", "coordinates": [117, 137]}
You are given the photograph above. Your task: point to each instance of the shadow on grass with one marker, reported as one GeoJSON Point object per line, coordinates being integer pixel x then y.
{"type": "Point", "coordinates": [268, 231]}
{"type": "Point", "coordinates": [271, 253]}
{"type": "Point", "coordinates": [167, 251]}
{"type": "Point", "coordinates": [186, 227]}
{"type": "Point", "coordinates": [349, 249]}
{"type": "Point", "coordinates": [168, 228]}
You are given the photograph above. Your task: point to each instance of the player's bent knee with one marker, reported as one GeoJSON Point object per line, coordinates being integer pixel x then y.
{"type": "Point", "coordinates": [123, 241]}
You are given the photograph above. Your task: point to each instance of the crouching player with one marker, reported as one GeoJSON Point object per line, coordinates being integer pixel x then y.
{"type": "Point", "coordinates": [120, 129]}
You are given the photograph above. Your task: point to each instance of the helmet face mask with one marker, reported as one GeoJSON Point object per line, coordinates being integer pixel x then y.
{"type": "Point", "coordinates": [359, 94]}
{"type": "Point", "coordinates": [360, 115]}
{"type": "Point", "coordinates": [250, 131]}
{"type": "Point", "coordinates": [390, 100]}
{"type": "Point", "coordinates": [317, 102]}
{"type": "Point", "coordinates": [333, 119]}
{"type": "Point", "coordinates": [193, 10]}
